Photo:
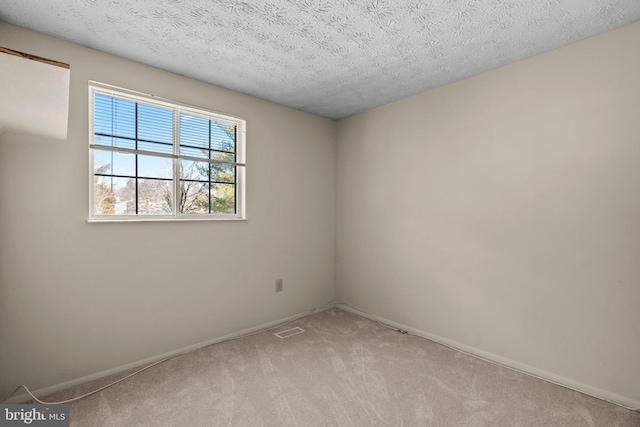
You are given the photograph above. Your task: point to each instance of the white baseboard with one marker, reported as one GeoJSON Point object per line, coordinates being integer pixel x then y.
{"type": "Point", "coordinates": [24, 397]}
{"type": "Point", "coordinates": [509, 363]}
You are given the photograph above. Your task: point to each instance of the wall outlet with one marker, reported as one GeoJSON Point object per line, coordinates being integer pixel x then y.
{"type": "Point", "coordinates": [278, 285]}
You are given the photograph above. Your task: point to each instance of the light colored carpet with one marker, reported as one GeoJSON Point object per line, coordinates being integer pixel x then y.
{"type": "Point", "coordinates": [345, 370]}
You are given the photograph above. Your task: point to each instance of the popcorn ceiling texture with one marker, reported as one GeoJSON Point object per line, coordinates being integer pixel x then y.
{"type": "Point", "coordinates": [331, 58]}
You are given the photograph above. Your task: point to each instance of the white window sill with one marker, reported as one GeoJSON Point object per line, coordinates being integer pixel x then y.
{"type": "Point", "coordinates": [112, 220]}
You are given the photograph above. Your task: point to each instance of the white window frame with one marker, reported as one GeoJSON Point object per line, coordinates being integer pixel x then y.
{"type": "Point", "coordinates": [177, 107]}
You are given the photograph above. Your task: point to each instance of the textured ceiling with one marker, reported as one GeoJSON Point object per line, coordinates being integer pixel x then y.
{"type": "Point", "coordinates": [332, 58]}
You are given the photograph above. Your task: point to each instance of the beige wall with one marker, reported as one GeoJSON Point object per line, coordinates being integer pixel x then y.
{"type": "Point", "coordinates": [79, 298]}
{"type": "Point", "coordinates": [502, 213]}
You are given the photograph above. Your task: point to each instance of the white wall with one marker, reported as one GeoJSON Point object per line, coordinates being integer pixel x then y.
{"type": "Point", "coordinates": [502, 213]}
{"type": "Point", "coordinates": [79, 298]}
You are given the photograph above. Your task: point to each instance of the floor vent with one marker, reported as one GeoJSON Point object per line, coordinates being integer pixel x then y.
{"type": "Point", "coordinates": [289, 332]}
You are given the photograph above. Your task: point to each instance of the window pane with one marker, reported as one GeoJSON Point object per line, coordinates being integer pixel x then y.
{"type": "Point", "coordinates": [125, 196]}
{"type": "Point", "coordinates": [222, 156]}
{"type": "Point", "coordinates": [194, 131]}
{"type": "Point", "coordinates": [223, 136]}
{"type": "Point", "coordinates": [155, 167]}
{"type": "Point", "coordinates": [104, 198]}
{"type": "Point", "coordinates": [113, 196]}
{"type": "Point", "coordinates": [113, 116]}
{"type": "Point", "coordinates": [194, 197]}
{"type": "Point", "coordinates": [198, 171]}
{"type": "Point", "coordinates": [154, 197]}
{"type": "Point", "coordinates": [112, 163]}
{"type": "Point", "coordinates": [102, 162]}
{"type": "Point", "coordinates": [223, 173]}
{"type": "Point", "coordinates": [208, 139]}
{"type": "Point", "coordinates": [155, 124]}
{"type": "Point", "coordinates": [109, 141]}
{"type": "Point", "coordinates": [223, 198]}
{"type": "Point", "coordinates": [207, 154]}
{"type": "Point", "coordinates": [155, 147]}
{"type": "Point", "coordinates": [194, 152]}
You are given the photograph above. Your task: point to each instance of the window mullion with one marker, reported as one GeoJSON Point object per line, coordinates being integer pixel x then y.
{"type": "Point", "coordinates": [137, 195]}
{"type": "Point", "coordinates": [177, 196]}
{"type": "Point", "coordinates": [209, 166]}
{"type": "Point", "coordinates": [235, 171]}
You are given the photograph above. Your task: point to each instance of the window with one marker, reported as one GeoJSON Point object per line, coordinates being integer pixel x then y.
{"type": "Point", "coordinates": [152, 159]}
